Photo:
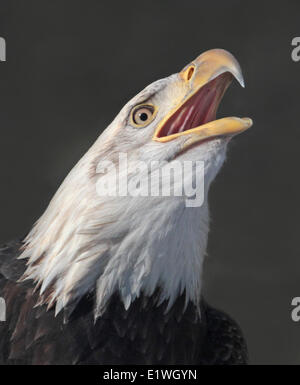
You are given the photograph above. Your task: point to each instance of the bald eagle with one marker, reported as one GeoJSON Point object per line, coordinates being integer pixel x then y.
{"type": "Point", "coordinates": [116, 278]}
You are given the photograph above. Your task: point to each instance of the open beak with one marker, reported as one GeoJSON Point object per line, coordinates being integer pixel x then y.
{"type": "Point", "coordinates": [204, 81]}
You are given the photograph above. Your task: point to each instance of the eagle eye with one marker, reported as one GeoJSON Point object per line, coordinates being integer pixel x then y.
{"type": "Point", "coordinates": [142, 115]}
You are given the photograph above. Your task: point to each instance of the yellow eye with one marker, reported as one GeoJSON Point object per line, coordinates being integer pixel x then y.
{"type": "Point", "coordinates": [143, 115]}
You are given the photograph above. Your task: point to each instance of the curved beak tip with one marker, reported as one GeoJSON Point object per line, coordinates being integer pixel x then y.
{"type": "Point", "coordinates": [241, 81]}
{"type": "Point", "coordinates": [216, 61]}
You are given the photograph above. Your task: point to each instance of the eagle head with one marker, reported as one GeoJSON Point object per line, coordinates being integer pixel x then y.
{"type": "Point", "coordinates": [132, 216]}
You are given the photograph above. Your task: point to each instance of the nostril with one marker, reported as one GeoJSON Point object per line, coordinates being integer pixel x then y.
{"type": "Point", "coordinates": [190, 72]}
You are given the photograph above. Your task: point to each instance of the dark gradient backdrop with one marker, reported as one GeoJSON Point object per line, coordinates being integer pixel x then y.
{"type": "Point", "coordinates": [71, 65]}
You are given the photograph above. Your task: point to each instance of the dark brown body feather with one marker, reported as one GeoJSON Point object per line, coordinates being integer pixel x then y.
{"type": "Point", "coordinates": [142, 335]}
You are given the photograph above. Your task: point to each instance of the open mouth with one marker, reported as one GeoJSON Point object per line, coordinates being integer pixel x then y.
{"type": "Point", "coordinates": [199, 109]}
{"type": "Point", "coordinates": [204, 82]}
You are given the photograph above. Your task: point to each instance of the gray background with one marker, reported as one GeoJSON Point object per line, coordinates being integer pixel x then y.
{"type": "Point", "coordinates": [71, 65]}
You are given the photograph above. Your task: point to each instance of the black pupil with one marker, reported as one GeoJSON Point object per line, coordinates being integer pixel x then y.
{"type": "Point", "coordinates": [143, 116]}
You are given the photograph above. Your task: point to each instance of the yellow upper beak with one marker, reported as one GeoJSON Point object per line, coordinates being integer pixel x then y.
{"type": "Point", "coordinates": [192, 78]}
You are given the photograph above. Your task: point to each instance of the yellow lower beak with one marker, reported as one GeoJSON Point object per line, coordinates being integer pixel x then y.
{"type": "Point", "coordinates": [207, 67]}
{"type": "Point", "coordinates": [226, 126]}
